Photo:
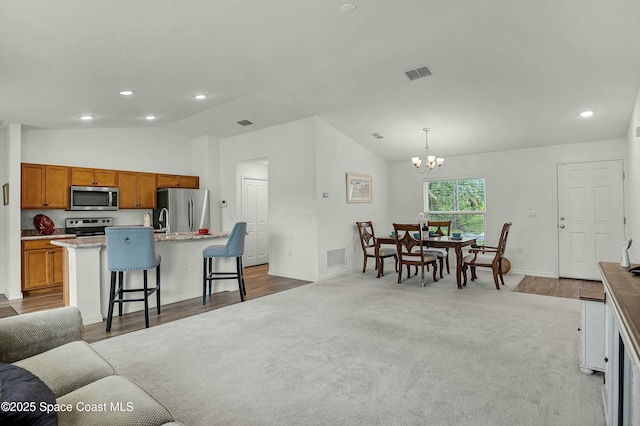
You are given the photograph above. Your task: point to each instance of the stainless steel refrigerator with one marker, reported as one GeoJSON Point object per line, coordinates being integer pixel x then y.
{"type": "Point", "coordinates": [187, 209]}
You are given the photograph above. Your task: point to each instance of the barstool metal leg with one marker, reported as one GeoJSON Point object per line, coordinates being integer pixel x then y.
{"type": "Point", "coordinates": [204, 281]}
{"type": "Point", "coordinates": [120, 291]}
{"type": "Point", "coordinates": [146, 300]}
{"type": "Point", "coordinates": [112, 291]}
{"type": "Point", "coordinates": [244, 288]}
{"type": "Point", "coordinates": [239, 273]}
{"type": "Point", "coordinates": [158, 287]}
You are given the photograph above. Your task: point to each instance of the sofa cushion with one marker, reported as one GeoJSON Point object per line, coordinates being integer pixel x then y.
{"type": "Point", "coordinates": [68, 367]}
{"type": "Point", "coordinates": [23, 397]}
{"type": "Point", "coordinates": [112, 401]}
{"type": "Point", "coordinates": [22, 336]}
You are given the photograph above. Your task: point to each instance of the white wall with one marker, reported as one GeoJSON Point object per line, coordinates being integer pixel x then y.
{"type": "Point", "coordinates": [13, 245]}
{"type": "Point", "coordinates": [306, 158]}
{"type": "Point", "coordinates": [633, 180]}
{"type": "Point", "coordinates": [337, 155]}
{"type": "Point", "coordinates": [290, 148]}
{"type": "Point", "coordinates": [516, 181]}
{"type": "Point", "coordinates": [143, 150]}
{"type": "Point", "coordinates": [4, 210]}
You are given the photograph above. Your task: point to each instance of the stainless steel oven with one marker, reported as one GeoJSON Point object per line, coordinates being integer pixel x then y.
{"type": "Point", "coordinates": [87, 227]}
{"type": "Point", "coordinates": [94, 198]}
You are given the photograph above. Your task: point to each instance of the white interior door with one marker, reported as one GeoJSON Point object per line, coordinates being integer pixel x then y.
{"type": "Point", "coordinates": [254, 212]}
{"type": "Point", "coordinates": [590, 217]}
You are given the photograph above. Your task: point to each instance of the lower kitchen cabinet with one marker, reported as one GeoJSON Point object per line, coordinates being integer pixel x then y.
{"type": "Point", "coordinates": [592, 331]}
{"type": "Point", "coordinates": [42, 265]}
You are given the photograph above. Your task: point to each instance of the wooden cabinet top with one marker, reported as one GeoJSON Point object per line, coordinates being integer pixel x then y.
{"type": "Point", "coordinates": [623, 292]}
{"type": "Point", "coordinates": [47, 185]}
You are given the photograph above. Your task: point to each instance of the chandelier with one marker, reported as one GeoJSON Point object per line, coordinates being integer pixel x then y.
{"type": "Point", "coordinates": [430, 161]}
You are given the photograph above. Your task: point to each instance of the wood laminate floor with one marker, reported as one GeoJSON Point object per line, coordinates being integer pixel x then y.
{"type": "Point", "coordinates": [258, 284]}
{"type": "Point", "coordinates": [558, 287]}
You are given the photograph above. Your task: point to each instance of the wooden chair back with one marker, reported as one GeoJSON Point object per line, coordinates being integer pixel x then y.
{"type": "Point", "coordinates": [442, 227]}
{"type": "Point", "coordinates": [367, 235]}
{"type": "Point", "coordinates": [405, 240]}
{"type": "Point", "coordinates": [502, 243]}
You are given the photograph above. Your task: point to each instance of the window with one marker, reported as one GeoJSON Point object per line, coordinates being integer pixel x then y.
{"type": "Point", "coordinates": [462, 201]}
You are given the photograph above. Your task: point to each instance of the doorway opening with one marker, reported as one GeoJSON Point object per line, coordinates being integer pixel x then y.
{"type": "Point", "coordinates": [253, 179]}
{"type": "Point", "coordinates": [590, 217]}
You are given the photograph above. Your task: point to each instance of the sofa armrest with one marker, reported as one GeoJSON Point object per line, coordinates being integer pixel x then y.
{"type": "Point", "coordinates": [22, 336]}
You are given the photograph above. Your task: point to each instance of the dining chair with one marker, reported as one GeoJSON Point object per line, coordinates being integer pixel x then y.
{"type": "Point", "coordinates": [234, 248]}
{"type": "Point", "coordinates": [368, 242]}
{"type": "Point", "coordinates": [410, 251]}
{"type": "Point", "coordinates": [131, 248]}
{"type": "Point", "coordinates": [487, 257]}
{"type": "Point", "coordinates": [442, 228]}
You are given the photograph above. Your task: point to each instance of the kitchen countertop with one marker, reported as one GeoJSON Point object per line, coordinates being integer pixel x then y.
{"type": "Point", "coordinates": [158, 238]}
{"type": "Point", "coordinates": [32, 234]}
{"type": "Point", "coordinates": [624, 289]}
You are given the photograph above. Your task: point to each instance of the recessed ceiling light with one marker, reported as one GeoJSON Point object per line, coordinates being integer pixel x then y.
{"type": "Point", "coordinates": [348, 7]}
{"type": "Point", "coordinates": [150, 117]}
{"type": "Point", "coordinates": [126, 92]}
{"type": "Point", "coordinates": [86, 117]}
{"type": "Point", "coordinates": [200, 96]}
{"type": "Point", "coordinates": [586, 113]}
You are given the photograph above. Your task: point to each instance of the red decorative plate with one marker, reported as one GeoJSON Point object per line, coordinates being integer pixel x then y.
{"type": "Point", "coordinates": [43, 224]}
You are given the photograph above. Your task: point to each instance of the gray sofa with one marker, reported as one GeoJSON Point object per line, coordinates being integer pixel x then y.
{"type": "Point", "coordinates": [49, 344]}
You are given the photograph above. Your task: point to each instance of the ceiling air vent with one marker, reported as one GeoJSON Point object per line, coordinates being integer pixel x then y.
{"type": "Point", "coordinates": [245, 123]}
{"type": "Point", "coordinates": [418, 73]}
{"type": "Point", "coordinates": [377, 135]}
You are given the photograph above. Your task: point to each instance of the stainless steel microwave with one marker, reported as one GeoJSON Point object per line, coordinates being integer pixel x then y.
{"type": "Point", "coordinates": [94, 198]}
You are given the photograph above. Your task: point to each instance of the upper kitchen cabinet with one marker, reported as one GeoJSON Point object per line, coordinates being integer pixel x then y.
{"type": "Point", "coordinates": [137, 190]}
{"type": "Point", "coordinates": [44, 186]}
{"type": "Point", "coordinates": [177, 181]}
{"type": "Point", "coordinates": [81, 176]}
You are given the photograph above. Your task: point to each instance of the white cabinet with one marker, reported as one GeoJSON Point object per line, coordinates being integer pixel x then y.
{"type": "Point", "coordinates": [622, 345]}
{"type": "Point", "coordinates": [592, 331]}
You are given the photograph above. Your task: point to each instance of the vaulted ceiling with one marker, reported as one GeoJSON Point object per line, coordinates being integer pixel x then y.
{"type": "Point", "coordinates": [505, 74]}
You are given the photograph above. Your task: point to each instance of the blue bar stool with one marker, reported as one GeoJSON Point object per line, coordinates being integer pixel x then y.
{"type": "Point", "coordinates": [233, 248]}
{"type": "Point", "coordinates": [131, 249]}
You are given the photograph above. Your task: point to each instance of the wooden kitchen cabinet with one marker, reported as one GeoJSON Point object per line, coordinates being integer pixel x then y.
{"type": "Point", "coordinates": [44, 186]}
{"type": "Point", "coordinates": [82, 176]}
{"type": "Point", "coordinates": [42, 265]}
{"type": "Point", "coordinates": [137, 190]}
{"type": "Point", "coordinates": [178, 181]}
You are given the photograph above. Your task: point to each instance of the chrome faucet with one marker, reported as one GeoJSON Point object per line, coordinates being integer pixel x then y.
{"type": "Point", "coordinates": [162, 217]}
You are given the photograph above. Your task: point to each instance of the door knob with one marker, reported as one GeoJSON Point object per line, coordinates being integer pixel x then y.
{"type": "Point", "coordinates": [561, 226]}
{"type": "Point", "coordinates": [561, 217]}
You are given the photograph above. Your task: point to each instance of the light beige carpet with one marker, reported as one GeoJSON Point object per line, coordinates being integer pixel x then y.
{"type": "Point", "coordinates": [357, 350]}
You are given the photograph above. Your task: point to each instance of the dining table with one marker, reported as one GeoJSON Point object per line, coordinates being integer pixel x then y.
{"type": "Point", "coordinates": [434, 241]}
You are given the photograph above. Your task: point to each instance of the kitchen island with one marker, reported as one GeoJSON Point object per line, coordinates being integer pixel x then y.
{"type": "Point", "coordinates": [87, 279]}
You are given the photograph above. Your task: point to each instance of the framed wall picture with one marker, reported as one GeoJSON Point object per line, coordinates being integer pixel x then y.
{"type": "Point", "coordinates": [5, 193]}
{"type": "Point", "coordinates": [359, 188]}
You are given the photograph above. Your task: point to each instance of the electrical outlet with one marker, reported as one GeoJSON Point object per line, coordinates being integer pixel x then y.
{"type": "Point", "coordinates": [190, 267]}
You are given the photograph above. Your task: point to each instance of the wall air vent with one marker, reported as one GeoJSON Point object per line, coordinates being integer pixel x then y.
{"type": "Point", "coordinates": [418, 73]}
{"type": "Point", "coordinates": [336, 257]}
{"type": "Point", "coordinates": [245, 123]}
{"type": "Point", "coordinates": [377, 135]}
